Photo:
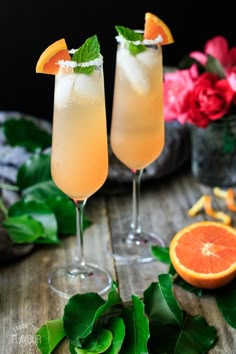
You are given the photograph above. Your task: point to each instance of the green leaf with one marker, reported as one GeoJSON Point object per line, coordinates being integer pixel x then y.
{"type": "Point", "coordinates": [135, 49]}
{"type": "Point", "coordinates": [196, 336]}
{"type": "Point", "coordinates": [186, 286]}
{"type": "Point", "coordinates": [65, 212]}
{"type": "Point", "coordinates": [214, 66]}
{"type": "Point", "coordinates": [131, 36]}
{"type": "Point", "coordinates": [161, 253]}
{"type": "Point", "coordinates": [23, 229]}
{"type": "Point", "coordinates": [23, 132]}
{"type": "Point", "coordinates": [49, 336]}
{"type": "Point", "coordinates": [160, 303]}
{"type": "Point", "coordinates": [225, 298]}
{"type": "Point", "coordinates": [43, 191]}
{"type": "Point", "coordinates": [34, 171]}
{"type": "Point", "coordinates": [90, 50]}
{"type": "Point", "coordinates": [81, 312]}
{"type": "Point", "coordinates": [98, 341]}
{"type": "Point", "coordinates": [117, 327]}
{"type": "Point", "coordinates": [42, 213]}
{"type": "Point", "coordinates": [136, 327]}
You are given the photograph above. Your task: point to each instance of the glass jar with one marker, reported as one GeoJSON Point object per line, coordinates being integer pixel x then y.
{"type": "Point", "coordinates": [213, 152]}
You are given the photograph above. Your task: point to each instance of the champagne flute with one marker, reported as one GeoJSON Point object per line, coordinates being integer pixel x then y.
{"type": "Point", "coordinates": [137, 130]}
{"type": "Point", "coordinates": [79, 161]}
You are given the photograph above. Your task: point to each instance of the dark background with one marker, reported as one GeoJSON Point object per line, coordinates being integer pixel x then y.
{"type": "Point", "coordinates": [28, 27]}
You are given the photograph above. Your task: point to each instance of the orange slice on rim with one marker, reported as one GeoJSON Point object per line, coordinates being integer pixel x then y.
{"type": "Point", "coordinates": [204, 254]}
{"type": "Point", "coordinates": [154, 26]}
{"type": "Point", "coordinates": [48, 60]}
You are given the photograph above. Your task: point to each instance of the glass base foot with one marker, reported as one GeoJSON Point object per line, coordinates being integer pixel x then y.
{"type": "Point", "coordinates": [72, 279]}
{"type": "Point", "coordinates": [135, 248]}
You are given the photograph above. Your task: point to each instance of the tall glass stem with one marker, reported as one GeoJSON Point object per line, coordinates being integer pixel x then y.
{"type": "Point", "coordinates": [135, 224]}
{"type": "Point", "coordinates": [79, 257]}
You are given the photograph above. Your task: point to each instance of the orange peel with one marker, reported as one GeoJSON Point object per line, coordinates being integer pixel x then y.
{"type": "Point", "coordinates": [205, 203]}
{"type": "Point", "coordinates": [228, 195]}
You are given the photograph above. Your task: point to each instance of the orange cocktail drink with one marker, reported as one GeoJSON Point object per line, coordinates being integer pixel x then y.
{"type": "Point", "coordinates": [137, 133]}
{"type": "Point", "coordinates": [79, 163]}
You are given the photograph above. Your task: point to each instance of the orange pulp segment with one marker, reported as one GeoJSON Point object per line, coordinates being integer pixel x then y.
{"type": "Point", "coordinates": [204, 254]}
{"type": "Point", "coordinates": [48, 60]}
{"type": "Point", "coordinates": [154, 26]}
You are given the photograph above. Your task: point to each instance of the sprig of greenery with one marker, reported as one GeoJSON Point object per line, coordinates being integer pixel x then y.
{"type": "Point", "coordinates": [89, 51]}
{"type": "Point", "coordinates": [154, 324]}
{"type": "Point", "coordinates": [131, 37]}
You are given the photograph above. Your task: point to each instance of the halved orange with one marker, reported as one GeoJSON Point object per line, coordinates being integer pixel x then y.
{"type": "Point", "coordinates": [204, 254]}
{"type": "Point", "coordinates": [48, 60]}
{"type": "Point", "coordinates": [154, 26]}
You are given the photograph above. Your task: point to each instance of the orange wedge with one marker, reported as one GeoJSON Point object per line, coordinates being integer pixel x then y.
{"type": "Point", "coordinates": [204, 254]}
{"type": "Point", "coordinates": [48, 60]}
{"type": "Point", "coordinates": [154, 26]}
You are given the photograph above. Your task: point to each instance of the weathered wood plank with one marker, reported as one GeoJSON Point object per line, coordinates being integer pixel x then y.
{"type": "Point", "coordinates": [26, 302]}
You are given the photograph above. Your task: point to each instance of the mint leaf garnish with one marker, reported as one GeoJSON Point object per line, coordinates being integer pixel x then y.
{"type": "Point", "coordinates": [90, 50]}
{"type": "Point", "coordinates": [131, 36]}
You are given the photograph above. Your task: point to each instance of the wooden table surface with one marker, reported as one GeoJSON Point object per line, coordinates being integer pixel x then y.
{"type": "Point", "coordinates": [26, 301]}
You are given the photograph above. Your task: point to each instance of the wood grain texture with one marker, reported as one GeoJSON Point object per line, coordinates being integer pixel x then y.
{"type": "Point", "coordinates": [26, 302]}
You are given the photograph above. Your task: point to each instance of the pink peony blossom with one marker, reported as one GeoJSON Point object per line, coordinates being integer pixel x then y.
{"type": "Point", "coordinates": [177, 86]}
{"type": "Point", "coordinates": [200, 98]}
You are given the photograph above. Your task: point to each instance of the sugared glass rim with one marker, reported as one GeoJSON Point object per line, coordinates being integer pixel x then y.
{"type": "Point", "coordinates": [73, 64]}
{"type": "Point", "coordinates": [155, 41]}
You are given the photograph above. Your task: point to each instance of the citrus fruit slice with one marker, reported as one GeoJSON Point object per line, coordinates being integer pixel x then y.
{"type": "Point", "coordinates": [154, 26]}
{"type": "Point", "coordinates": [204, 254]}
{"type": "Point", "coordinates": [48, 60]}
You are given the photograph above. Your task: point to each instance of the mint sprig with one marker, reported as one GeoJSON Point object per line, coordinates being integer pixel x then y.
{"type": "Point", "coordinates": [131, 36]}
{"type": "Point", "coordinates": [90, 50]}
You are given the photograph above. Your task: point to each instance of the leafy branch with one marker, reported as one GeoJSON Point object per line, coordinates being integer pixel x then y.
{"type": "Point", "coordinates": [156, 324]}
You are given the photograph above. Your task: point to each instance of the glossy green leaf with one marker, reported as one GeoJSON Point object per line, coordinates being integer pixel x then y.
{"type": "Point", "coordinates": [23, 229]}
{"type": "Point", "coordinates": [65, 212]}
{"type": "Point", "coordinates": [214, 66]}
{"type": "Point", "coordinates": [160, 302]}
{"type": "Point", "coordinates": [117, 327]}
{"type": "Point", "coordinates": [49, 336]}
{"type": "Point", "coordinates": [196, 336]}
{"type": "Point", "coordinates": [42, 191]}
{"type": "Point", "coordinates": [81, 312]}
{"type": "Point", "coordinates": [40, 212]}
{"type": "Point", "coordinates": [136, 328]}
{"type": "Point", "coordinates": [24, 132]}
{"type": "Point", "coordinates": [35, 171]}
{"type": "Point", "coordinates": [161, 253]}
{"type": "Point", "coordinates": [186, 286]}
{"type": "Point", "coordinates": [226, 300]}
{"type": "Point", "coordinates": [98, 341]}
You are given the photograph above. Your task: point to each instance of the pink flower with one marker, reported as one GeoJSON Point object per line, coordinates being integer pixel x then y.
{"type": "Point", "coordinates": [218, 48]}
{"type": "Point", "coordinates": [177, 86]}
{"type": "Point", "coordinates": [210, 99]}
